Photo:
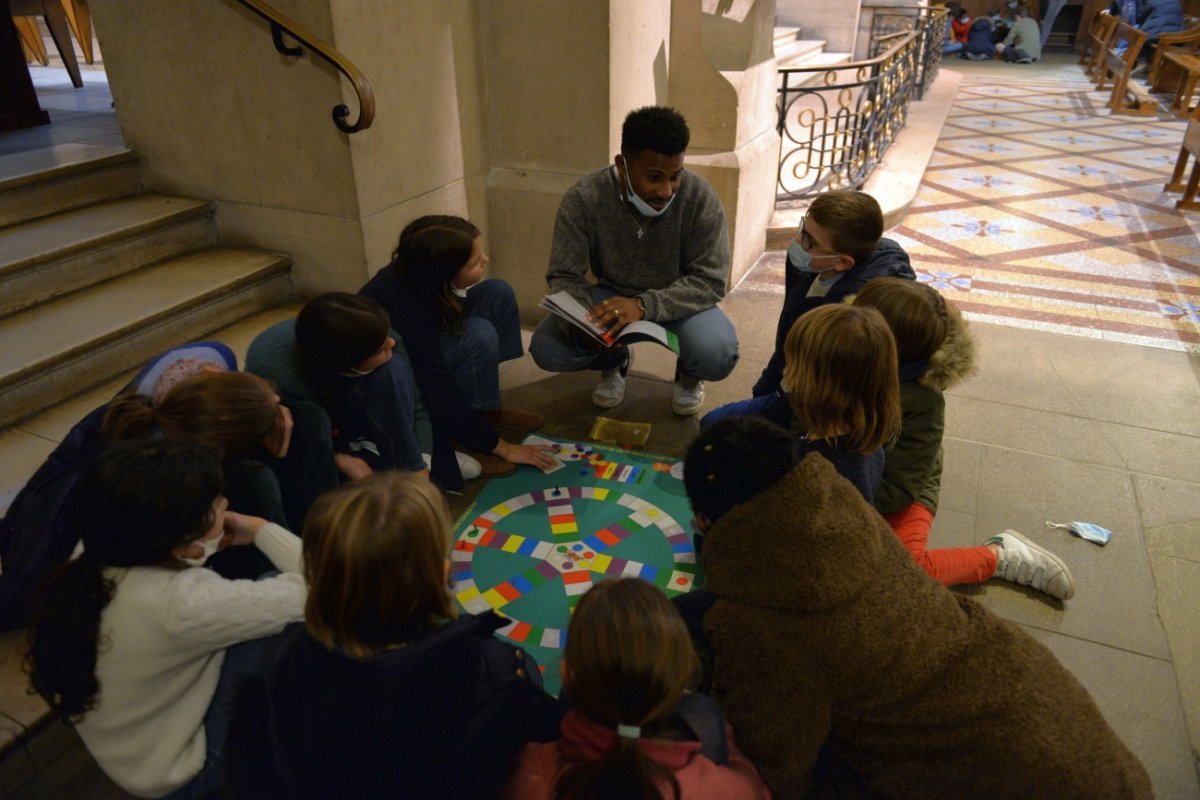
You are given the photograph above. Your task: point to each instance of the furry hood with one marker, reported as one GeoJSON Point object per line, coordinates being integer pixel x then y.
{"type": "Point", "coordinates": [794, 539]}
{"type": "Point", "coordinates": [954, 361]}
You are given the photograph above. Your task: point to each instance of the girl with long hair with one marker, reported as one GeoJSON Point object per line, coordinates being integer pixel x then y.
{"type": "Point", "coordinates": [936, 352]}
{"type": "Point", "coordinates": [634, 730]}
{"type": "Point", "coordinates": [413, 701]}
{"type": "Point", "coordinates": [458, 327]}
{"type": "Point", "coordinates": [136, 646]}
{"type": "Point", "coordinates": [241, 418]}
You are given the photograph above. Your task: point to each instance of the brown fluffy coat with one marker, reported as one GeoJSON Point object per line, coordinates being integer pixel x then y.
{"type": "Point", "coordinates": [827, 634]}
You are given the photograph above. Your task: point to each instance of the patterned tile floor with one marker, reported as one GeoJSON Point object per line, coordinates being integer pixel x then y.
{"type": "Point", "coordinates": [1039, 209]}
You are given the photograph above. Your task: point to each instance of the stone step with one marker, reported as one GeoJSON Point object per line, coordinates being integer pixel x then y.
{"type": "Point", "coordinates": [41, 182]}
{"type": "Point", "coordinates": [798, 52]}
{"type": "Point", "coordinates": [784, 35]}
{"type": "Point", "coordinates": [60, 348]}
{"type": "Point", "coordinates": [819, 63]}
{"type": "Point", "coordinates": [61, 253]}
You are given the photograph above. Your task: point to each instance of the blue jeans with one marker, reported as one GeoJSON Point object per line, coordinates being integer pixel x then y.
{"type": "Point", "coordinates": [491, 334]}
{"type": "Point", "coordinates": [242, 661]}
{"type": "Point", "coordinates": [708, 345]}
{"type": "Point", "coordinates": [379, 408]}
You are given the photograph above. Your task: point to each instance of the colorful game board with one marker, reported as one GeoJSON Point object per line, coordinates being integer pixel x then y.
{"type": "Point", "coordinates": [533, 543]}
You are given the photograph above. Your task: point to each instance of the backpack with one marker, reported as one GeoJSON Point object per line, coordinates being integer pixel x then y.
{"type": "Point", "coordinates": [33, 535]}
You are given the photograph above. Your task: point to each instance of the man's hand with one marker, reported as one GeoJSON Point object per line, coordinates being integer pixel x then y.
{"type": "Point", "coordinates": [615, 313]}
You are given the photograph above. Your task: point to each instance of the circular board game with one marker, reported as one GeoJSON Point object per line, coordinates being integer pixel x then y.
{"type": "Point", "coordinates": [534, 543]}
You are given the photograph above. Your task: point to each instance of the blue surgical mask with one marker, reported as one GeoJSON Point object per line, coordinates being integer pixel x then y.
{"type": "Point", "coordinates": [644, 208]}
{"type": "Point", "coordinates": [800, 259]}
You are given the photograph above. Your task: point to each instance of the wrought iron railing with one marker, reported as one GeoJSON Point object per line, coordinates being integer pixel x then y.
{"type": "Point", "coordinates": [835, 122]}
{"type": "Point", "coordinates": [930, 22]}
{"type": "Point", "coordinates": [281, 24]}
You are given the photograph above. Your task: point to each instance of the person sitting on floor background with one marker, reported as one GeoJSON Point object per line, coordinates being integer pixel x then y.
{"type": "Point", "coordinates": [137, 645]}
{"type": "Point", "coordinates": [457, 328]}
{"type": "Point", "coordinates": [384, 691]}
{"type": "Point", "coordinates": [980, 44]}
{"type": "Point", "coordinates": [839, 246]}
{"type": "Point", "coordinates": [1023, 42]}
{"type": "Point", "coordinates": [845, 668]}
{"type": "Point", "coordinates": [634, 730]}
{"type": "Point", "coordinates": [654, 236]}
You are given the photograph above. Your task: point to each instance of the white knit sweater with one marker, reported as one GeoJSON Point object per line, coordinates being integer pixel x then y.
{"type": "Point", "coordinates": [163, 640]}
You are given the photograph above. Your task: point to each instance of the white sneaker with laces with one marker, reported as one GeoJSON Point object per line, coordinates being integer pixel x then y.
{"type": "Point", "coordinates": [687, 396]}
{"type": "Point", "coordinates": [1029, 564]}
{"type": "Point", "coordinates": [610, 391]}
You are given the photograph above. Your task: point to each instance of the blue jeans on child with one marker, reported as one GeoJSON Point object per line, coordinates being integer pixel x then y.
{"type": "Point", "coordinates": [491, 334]}
{"type": "Point", "coordinates": [771, 407]}
{"type": "Point", "coordinates": [708, 345]}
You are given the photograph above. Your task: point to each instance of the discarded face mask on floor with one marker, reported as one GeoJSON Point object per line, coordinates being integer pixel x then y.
{"type": "Point", "coordinates": [1085, 530]}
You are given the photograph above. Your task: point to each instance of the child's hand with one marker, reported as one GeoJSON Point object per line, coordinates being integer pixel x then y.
{"type": "Point", "coordinates": [241, 528]}
{"type": "Point", "coordinates": [352, 467]}
{"type": "Point", "coordinates": [535, 455]}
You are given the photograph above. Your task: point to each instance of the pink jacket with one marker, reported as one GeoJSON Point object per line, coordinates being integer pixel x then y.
{"type": "Point", "coordinates": [582, 739]}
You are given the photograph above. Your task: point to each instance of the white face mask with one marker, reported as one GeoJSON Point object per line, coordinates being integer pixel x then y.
{"type": "Point", "coordinates": [644, 208]}
{"type": "Point", "coordinates": [358, 373]}
{"type": "Point", "coordinates": [209, 546]}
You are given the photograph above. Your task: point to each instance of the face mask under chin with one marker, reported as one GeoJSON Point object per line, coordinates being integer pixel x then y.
{"type": "Point", "coordinates": [644, 208]}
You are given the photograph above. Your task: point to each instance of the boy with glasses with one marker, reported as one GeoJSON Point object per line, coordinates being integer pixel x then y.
{"type": "Point", "coordinates": [839, 246]}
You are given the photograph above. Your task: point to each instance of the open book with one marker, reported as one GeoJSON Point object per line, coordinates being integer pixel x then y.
{"type": "Point", "coordinates": [567, 307]}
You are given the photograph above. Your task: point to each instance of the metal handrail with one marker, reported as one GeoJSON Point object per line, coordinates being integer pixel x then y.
{"type": "Point", "coordinates": [362, 87]}
{"type": "Point", "coordinates": [834, 130]}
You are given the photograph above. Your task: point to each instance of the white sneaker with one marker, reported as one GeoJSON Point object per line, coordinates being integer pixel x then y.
{"type": "Point", "coordinates": [688, 395]}
{"type": "Point", "coordinates": [469, 467]}
{"type": "Point", "coordinates": [1029, 564]}
{"type": "Point", "coordinates": [610, 391]}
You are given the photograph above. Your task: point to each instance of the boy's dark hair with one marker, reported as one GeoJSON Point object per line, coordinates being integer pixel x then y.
{"type": "Point", "coordinates": [734, 460]}
{"type": "Point", "coordinates": [338, 330]}
{"type": "Point", "coordinates": [656, 128]}
{"type": "Point", "coordinates": [853, 219]}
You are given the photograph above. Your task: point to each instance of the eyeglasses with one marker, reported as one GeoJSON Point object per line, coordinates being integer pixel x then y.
{"type": "Point", "coordinates": [807, 242]}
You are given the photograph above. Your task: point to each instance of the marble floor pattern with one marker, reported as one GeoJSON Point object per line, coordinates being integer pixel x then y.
{"type": "Point", "coordinates": [1041, 209]}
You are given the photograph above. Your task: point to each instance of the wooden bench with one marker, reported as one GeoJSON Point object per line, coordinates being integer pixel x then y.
{"type": "Point", "coordinates": [1190, 147]}
{"type": "Point", "coordinates": [1098, 43]}
{"type": "Point", "coordinates": [1128, 97]}
{"type": "Point", "coordinates": [1168, 46]}
{"type": "Point", "coordinates": [1189, 74]}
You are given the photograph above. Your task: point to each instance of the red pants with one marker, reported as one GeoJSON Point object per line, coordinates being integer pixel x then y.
{"type": "Point", "coordinates": [949, 565]}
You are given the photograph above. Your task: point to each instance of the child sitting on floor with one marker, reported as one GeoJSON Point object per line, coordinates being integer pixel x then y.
{"type": "Point", "coordinates": [936, 352]}
{"type": "Point", "coordinates": [383, 692]}
{"type": "Point", "coordinates": [634, 730]}
{"type": "Point", "coordinates": [840, 394]}
{"type": "Point", "coordinates": [844, 668]}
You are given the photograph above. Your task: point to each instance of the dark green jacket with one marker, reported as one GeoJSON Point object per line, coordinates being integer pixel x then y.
{"type": "Point", "coordinates": [913, 469]}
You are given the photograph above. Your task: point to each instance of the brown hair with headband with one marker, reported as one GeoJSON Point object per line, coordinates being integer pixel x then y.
{"type": "Point", "coordinates": [841, 376]}
{"type": "Point", "coordinates": [628, 661]}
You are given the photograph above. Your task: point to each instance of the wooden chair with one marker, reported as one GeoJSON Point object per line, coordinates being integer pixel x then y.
{"type": "Point", "coordinates": [79, 17]}
{"type": "Point", "coordinates": [1128, 96]}
{"type": "Point", "coordinates": [56, 21]}
{"type": "Point", "coordinates": [31, 40]}
{"type": "Point", "coordinates": [1099, 45]}
{"type": "Point", "coordinates": [1088, 51]}
{"type": "Point", "coordinates": [1171, 45]}
{"type": "Point", "coordinates": [1190, 147]}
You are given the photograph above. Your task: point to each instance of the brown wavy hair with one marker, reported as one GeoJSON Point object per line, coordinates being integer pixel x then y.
{"type": "Point", "coordinates": [915, 312]}
{"type": "Point", "coordinates": [375, 558]}
{"type": "Point", "coordinates": [841, 376]}
{"type": "Point", "coordinates": [236, 412]}
{"type": "Point", "coordinates": [430, 253]}
{"type": "Point", "coordinates": [628, 660]}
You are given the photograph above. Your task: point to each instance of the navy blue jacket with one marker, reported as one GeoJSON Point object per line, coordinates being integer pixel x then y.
{"type": "Point", "coordinates": [888, 259]}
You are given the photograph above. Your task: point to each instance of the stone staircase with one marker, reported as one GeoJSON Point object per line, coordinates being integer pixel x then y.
{"type": "Point", "coordinates": [97, 275]}
{"type": "Point", "coordinates": [792, 51]}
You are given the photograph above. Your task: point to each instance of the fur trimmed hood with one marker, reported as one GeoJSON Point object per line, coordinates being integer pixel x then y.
{"type": "Point", "coordinates": [954, 361]}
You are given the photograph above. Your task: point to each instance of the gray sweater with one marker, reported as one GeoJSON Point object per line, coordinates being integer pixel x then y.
{"type": "Point", "coordinates": [679, 266]}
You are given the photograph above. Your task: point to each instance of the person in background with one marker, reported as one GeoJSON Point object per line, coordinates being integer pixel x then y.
{"type": "Point", "coordinates": [1023, 42]}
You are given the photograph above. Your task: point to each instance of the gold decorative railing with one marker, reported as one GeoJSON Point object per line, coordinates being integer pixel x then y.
{"type": "Point", "coordinates": [836, 122]}
{"type": "Point", "coordinates": [281, 24]}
